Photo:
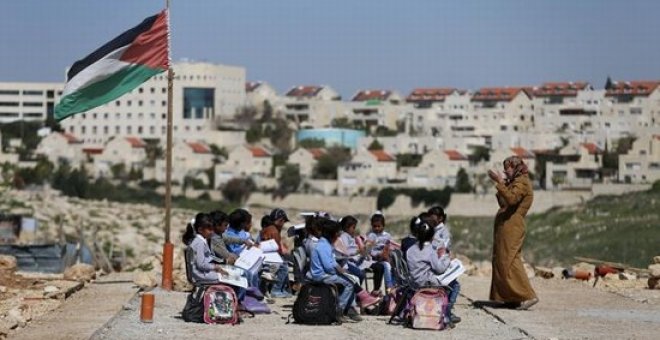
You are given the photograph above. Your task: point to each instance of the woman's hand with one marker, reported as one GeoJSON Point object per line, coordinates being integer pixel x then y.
{"type": "Point", "coordinates": [495, 176]}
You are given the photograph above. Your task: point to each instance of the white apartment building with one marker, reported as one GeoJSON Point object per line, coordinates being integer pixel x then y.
{"type": "Point", "coordinates": [567, 106]}
{"type": "Point", "coordinates": [244, 161]}
{"type": "Point", "coordinates": [437, 169]}
{"type": "Point", "coordinates": [61, 148]}
{"type": "Point", "coordinates": [311, 106]}
{"type": "Point", "coordinates": [440, 112]}
{"type": "Point", "coordinates": [202, 93]}
{"type": "Point", "coordinates": [404, 144]}
{"type": "Point", "coordinates": [28, 101]}
{"type": "Point", "coordinates": [642, 163]}
{"type": "Point", "coordinates": [630, 106]}
{"type": "Point", "coordinates": [256, 92]}
{"type": "Point", "coordinates": [367, 169]}
{"type": "Point", "coordinates": [306, 160]}
{"type": "Point", "coordinates": [502, 110]}
{"type": "Point", "coordinates": [373, 108]}
{"type": "Point", "coordinates": [580, 168]}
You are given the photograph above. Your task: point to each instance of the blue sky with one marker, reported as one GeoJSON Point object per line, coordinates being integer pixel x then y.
{"type": "Point", "coordinates": [355, 44]}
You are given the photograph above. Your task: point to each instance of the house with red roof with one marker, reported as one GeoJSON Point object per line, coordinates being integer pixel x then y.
{"type": "Point", "coordinates": [642, 162]}
{"type": "Point", "coordinates": [60, 147]}
{"type": "Point", "coordinates": [311, 106]}
{"type": "Point", "coordinates": [631, 105]}
{"type": "Point", "coordinates": [253, 161]}
{"type": "Point", "coordinates": [367, 169]}
{"type": "Point", "coordinates": [372, 108]}
{"type": "Point", "coordinates": [437, 169]}
{"type": "Point", "coordinates": [441, 112]}
{"type": "Point", "coordinates": [129, 151]}
{"type": "Point", "coordinates": [189, 159]}
{"type": "Point", "coordinates": [578, 167]}
{"type": "Point", "coordinates": [306, 159]}
{"type": "Point", "coordinates": [503, 109]}
{"type": "Point", "coordinates": [256, 92]}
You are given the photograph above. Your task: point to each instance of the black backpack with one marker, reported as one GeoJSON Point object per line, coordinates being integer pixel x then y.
{"type": "Point", "coordinates": [317, 304]}
{"type": "Point", "coordinates": [193, 311]}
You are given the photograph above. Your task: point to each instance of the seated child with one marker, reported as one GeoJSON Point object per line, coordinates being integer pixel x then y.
{"type": "Point", "coordinates": [324, 268]}
{"type": "Point", "coordinates": [272, 231]}
{"type": "Point", "coordinates": [425, 263]}
{"type": "Point", "coordinates": [219, 241]}
{"type": "Point", "coordinates": [203, 269]}
{"type": "Point", "coordinates": [349, 248]}
{"type": "Point", "coordinates": [240, 221]}
{"type": "Point", "coordinates": [379, 241]}
{"type": "Point", "coordinates": [442, 239]}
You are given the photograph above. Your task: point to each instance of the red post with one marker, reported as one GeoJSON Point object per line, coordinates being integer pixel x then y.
{"type": "Point", "coordinates": [168, 260]}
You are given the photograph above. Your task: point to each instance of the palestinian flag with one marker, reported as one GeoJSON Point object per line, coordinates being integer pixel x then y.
{"type": "Point", "coordinates": [116, 67]}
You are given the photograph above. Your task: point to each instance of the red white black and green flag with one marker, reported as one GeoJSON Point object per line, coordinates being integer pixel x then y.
{"type": "Point", "coordinates": [116, 67]}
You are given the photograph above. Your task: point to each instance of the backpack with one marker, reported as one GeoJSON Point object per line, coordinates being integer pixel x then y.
{"type": "Point", "coordinates": [193, 311]}
{"type": "Point", "coordinates": [317, 304]}
{"type": "Point", "coordinates": [220, 305]}
{"type": "Point", "coordinates": [428, 309]}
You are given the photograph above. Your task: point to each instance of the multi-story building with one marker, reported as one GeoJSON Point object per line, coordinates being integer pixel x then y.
{"type": "Point", "coordinates": [571, 106]}
{"type": "Point", "coordinates": [502, 110]}
{"type": "Point", "coordinates": [61, 148]}
{"type": "Point", "coordinates": [28, 101]}
{"type": "Point", "coordinates": [642, 163]}
{"type": "Point", "coordinates": [440, 112]}
{"type": "Point", "coordinates": [312, 106]}
{"type": "Point", "coordinates": [306, 159]}
{"type": "Point", "coordinates": [244, 161]}
{"type": "Point", "coordinates": [630, 106]}
{"type": "Point", "coordinates": [202, 93]}
{"type": "Point", "coordinates": [373, 108]}
{"type": "Point", "coordinates": [437, 169]}
{"type": "Point", "coordinates": [189, 159]}
{"type": "Point", "coordinates": [579, 167]}
{"type": "Point", "coordinates": [367, 169]}
{"type": "Point", "coordinates": [129, 151]}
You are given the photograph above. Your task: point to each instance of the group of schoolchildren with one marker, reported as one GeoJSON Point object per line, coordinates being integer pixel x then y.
{"type": "Point", "coordinates": [335, 251]}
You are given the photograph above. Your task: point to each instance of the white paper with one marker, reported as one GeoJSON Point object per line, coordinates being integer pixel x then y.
{"type": "Point", "coordinates": [352, 277]}
{"type": "Point", "coordinates": [455, 270]}
{"type": "Point", "coordinates": [268, 246]}
{"type": "Point", "coordinates": [248, 258]}
{"type": "Point", "coordinates": [272, 257]}
{"type": "Point", "coordinates": [366, 264]}
{"type": "Point", "coordinates": [233, 277]}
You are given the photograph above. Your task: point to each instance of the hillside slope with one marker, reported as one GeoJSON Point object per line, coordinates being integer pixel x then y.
{"type": "Point", "coordinates": [622, 228]}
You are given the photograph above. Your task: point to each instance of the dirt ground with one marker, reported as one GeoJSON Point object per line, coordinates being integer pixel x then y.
{"type": "Point", "coordinates": [568, 310]}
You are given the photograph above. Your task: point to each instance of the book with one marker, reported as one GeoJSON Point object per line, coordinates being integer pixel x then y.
{"type": "Point", "coordinates": [249, 258]}
{"type": "Point", "coordinates": [268, 246]}
{"type": "Point", "coordinates": [272, 257]}
{"type": "Point", "coordinates": [455, 270]}
{"type": "Point", "coordinates": [234, 276]}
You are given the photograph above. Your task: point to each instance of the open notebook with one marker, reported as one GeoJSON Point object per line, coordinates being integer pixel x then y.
{"type": "Point", "coordinates": [455, 270]}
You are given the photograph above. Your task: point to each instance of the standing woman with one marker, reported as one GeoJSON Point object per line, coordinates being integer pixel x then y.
{"type": "Point", "coordinates": [510, 284]}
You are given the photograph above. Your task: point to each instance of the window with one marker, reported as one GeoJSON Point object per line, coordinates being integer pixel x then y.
{"type": "Point", "coordinates": [163, 103]}
{"type": "Point", "coordinates": [152, 115]}
{"type": "Point", "coordinates": [140, 90]}
{"type": "Point", "coordinates": [105, 130]}
{"type": "Point", "coordinates": [94, 115]}
{"type": "Point", "coordinates": [196, 101]}
{"type": "Point", "coordinates": [72, 129]}
{"type": "Point", "coordinates": [117, 129]}
{"type": "Point", "coordinates": [129, 130]}
{"type": "Point", "coordinates": [139, 130]}
{"type": "Point", "coordinates": [152, 90]}
{"type": "Point", "coordinates": [139, 103]}
{"type": "Point", "coordinates": [8, 103]}
{"type": "Point", "coordinates": [163, 90]}
{"type": "Point", "coordinates": [33, 93]}
{"type": "Point", "coordinates": [83, 129]}
{"type": "Point", "coordinates": [9, 114]}
{"type": "Point", "coordinates": [129, 115]}
{"type": "Point", "coordinates": [152, 130]}
{"type": "Point", "coordinates": [33, 104]}
{"type": "Point", "coordinates": [117, 103]}
{"type": "Point", "coordinates": [9, 92]}
{"type": "Point", "coordinates": [117, 115]}
{"type": "Point", "coordinates": [32, 115]}
{"type": "Point", "coordinates": [128, 103]}
{"type": "Point", "coordinates": [93, 130]}
{"type": "Point", "coordinates": [140, 115]}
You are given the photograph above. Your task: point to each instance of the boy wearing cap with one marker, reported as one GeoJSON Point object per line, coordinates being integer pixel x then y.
{"type": "Point", "coordinates": [273, 232]}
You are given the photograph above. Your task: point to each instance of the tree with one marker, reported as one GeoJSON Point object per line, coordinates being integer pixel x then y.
{"type": "Point", "coordinates": [408, 160]}
{"type": "Point", "coordinates": [289, 179]}
{"type": "Point", "coordinates": [267, 114]}
{"type": "Point", "coordinates": [253, 134]}
{"type": "Point", "coordinates": [246, 116]}
{"type": "Point", "coordinates": [480, 153]}
{"type": "Point", "coordinates": [341, 123]}
{"type": "Point", "coordinates": [311, 143]}
{"type": "Point", "coordinates": [281, 135]}
{"type": "Point", "coordinates": [218, 152]}
{"type": "Point", "coordinates": [238, 190]}
{"type": "Point", "coordinates": [462, 182]}
{"type": "Point", "coordinates": [386, 198]}
{"type": "Point", "coordinates": [326, 167]}
{"type": "Point", "coordinates": [383, 131]}
{"type": "Point", "coordinates": [375, 145]}
{"type": "Point", "coordinates": [118, 171]}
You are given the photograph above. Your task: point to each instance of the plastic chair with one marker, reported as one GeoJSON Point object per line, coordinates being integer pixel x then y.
{"type": "Point", "coordinates": [189, 257]}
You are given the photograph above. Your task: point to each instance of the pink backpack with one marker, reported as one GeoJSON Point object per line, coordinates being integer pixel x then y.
{"type": "Point", "coordinates": [220, 305]}
{"type": "Point", "coordinates": [428, 309]}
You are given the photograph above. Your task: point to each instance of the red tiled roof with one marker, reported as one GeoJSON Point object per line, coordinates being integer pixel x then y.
{"type": "Point", "coordinates": [93, 151]}
{"type": "Point", "coordinates": [562, 89]}
{"type": "Point", "coordinates": [454, 155]}
{"type": "Point", "coordinates": [252, 85]}
{"type": "Point", "coordinates": [71, 139]}
{"type": "Point", "coordinates": [136, 142]}
{"type": "Point", "coordinates": [431, 94]}
{"type": "Point", "coordinates": [382, 156]}
{"type": "Point", "coordinates": [198, 147]}
{"type": "Point", "coordinates": [505, 94]}
{"type": "Point", "coordinates": [593, 148]}
{"type": "Point", "coordinates": [365, 95]}
{"type": "Point", "coordinates": [304, 91]}
{"type": "Point", "coordinates": [634, 88]}
{"type": "Point", "coordinates": [316, 152]}
{"type": "Point", "coordinates": [258, 151]}
{"type": "Point", "coordinates": [522, 153]}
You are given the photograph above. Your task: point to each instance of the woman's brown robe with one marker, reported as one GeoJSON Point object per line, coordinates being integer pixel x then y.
{"type": "Point", "coordinates": [510, 283]}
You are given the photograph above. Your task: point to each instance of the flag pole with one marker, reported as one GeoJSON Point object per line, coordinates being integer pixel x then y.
{"type": "Point", "coordinates": [168, 247]}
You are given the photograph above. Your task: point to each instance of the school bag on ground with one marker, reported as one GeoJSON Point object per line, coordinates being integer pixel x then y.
{"type": "Point", "coordinates": [316, 304]}
{"type": "Point", "coordinates": [428, 309]}
{"type": "Point", "coordinates": [253, 305]}
{"type": "Point", "coordinates": [193, 311]}
{"type": "Point", "coordinates": [220, 305]}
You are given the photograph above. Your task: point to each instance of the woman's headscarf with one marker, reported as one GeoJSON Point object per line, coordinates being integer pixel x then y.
{"type": "Point", "coordinates": [519, 167]}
